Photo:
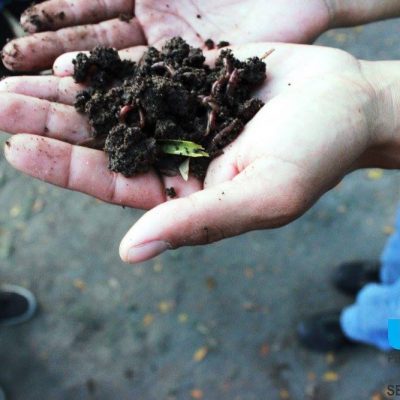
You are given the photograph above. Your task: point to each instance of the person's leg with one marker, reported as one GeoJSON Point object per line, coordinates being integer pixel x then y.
{"type": "Point", "coordinates": [367, 320]}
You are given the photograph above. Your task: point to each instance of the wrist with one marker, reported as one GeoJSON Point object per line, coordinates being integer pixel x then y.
{"type": "Point", "coordinates": [384, 79]}
{"type": "Point", "coordinates": [356, 12]}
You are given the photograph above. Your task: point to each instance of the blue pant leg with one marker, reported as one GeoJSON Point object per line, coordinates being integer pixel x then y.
{"type": "Point", "coordinates": [367, 319]}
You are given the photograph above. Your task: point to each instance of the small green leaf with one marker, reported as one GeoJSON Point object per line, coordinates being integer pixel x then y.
{"type": "Point", "coordinates": [182, 148]}
{"type": "Point", "coordinates": [184, 169]}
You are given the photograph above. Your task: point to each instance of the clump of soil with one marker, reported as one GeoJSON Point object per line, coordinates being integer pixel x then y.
{"type": "Point", "coordinates": [170, 111]}
{"type": "Point", "coordinates": [209, 43]}
{"type": "Point", "coordinates": [170, 192]}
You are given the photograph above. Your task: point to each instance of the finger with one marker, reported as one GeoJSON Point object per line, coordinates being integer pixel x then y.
{"type": "Point", "coordinates": [223, 168]}
{"type": "Point", "coordinates": [20, 113]}
{"type": "Point", "coordinates": [51, 88]}
{"type": "Point", "coordinates": [54, 88]}
{"type": "Point", "coordinates": [38, 51]}
{"type": "Point", "coordinates": [252, 200]}
{"type": "Point", "coordinates": [55, 14]}
{"type": "Point", "coordinates": [81, 169]}
{"type": "Point", "coordinates": [63, 66]}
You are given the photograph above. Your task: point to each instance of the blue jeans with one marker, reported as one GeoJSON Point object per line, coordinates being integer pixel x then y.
{"type": "Point", "coordinates": [367, 319]}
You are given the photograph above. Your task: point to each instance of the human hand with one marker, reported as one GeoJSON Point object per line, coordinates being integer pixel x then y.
{"type": "Point", "coordinates": [64, 25]}
{"type": "Point", "coordinates": [326, 114]}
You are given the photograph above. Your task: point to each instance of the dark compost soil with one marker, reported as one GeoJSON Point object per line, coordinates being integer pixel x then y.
{"type": "Point", "coordinates": [167, 108]}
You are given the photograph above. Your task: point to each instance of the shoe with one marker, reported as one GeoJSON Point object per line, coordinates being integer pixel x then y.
{"type": "Point", "coordinates": [2, 394]}
{"type": "Point", "coordinates": [351, 277]}
{"type": "Point", "coordinates": [322, 333]}
{"type": "Point", "coordinates": [17, 305]}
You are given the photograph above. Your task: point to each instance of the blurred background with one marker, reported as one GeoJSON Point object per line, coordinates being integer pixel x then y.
{"type": "Point", "coordinates": [215, 322]}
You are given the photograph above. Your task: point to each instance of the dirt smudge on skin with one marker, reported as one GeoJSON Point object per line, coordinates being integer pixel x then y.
{"type": "Point", "coordinates": [125, 17]}
{"type": "Point", "coordinates": [41, 20]}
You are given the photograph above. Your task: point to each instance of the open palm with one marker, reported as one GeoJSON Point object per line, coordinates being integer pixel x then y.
{"type": "Point", "coordinates": [319, 123]}
{"type": "Point", "coordinates": [83, 24]}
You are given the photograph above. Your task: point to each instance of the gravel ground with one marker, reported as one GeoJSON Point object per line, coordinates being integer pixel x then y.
{"type": "Point", "coordinates": [213, 322]}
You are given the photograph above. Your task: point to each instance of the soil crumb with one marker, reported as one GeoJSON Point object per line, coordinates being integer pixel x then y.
{"type": "Point", "coordinates": [171, 111]}
{"type": "Point", "coordinates": [209, 43]}
{"type": "Point", "coordinates": [223, 44]}
{"type": "Point", "coordinates": [170, 192]}
{"type": "Point", "coordinates": [125, 17]}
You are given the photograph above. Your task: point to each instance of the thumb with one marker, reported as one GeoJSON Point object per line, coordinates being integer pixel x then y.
{"type": "Point", "coordinates": [254, 199]}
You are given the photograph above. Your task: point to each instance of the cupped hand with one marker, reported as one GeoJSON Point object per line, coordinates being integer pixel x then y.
{"type": "Point", "coordinates": [71, 25]}
{"type": "Point", "coordinates": [321, 120]}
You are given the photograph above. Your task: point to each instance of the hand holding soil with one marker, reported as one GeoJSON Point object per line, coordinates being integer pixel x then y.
{"type": "Point", "coordinates": [322, 119]}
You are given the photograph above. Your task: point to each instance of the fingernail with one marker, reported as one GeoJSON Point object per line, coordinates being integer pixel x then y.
{"type": "Point", "coordinates": [146, 251]}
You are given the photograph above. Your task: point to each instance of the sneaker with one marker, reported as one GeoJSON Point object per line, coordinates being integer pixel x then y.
{"type": "Point", "coordinates": [322, 333]}
{"type": "Point", "coordinates": [17, 305]}
{"type": "Point", "coordinates": [351, 277]}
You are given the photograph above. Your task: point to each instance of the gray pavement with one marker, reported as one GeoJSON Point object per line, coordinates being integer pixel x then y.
{"type": "Point", "coordinates": [213, 322]}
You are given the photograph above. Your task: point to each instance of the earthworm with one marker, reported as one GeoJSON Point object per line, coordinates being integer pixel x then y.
{"type": "Point", "coordinates": [233, 81]}
{"type": "Point", "coordinates": [210, 101]}
{"type": "Point", "coordinates": [228, 65]}
{"type": "Point", "coordinates": [161, 64]}
{"type": "Point", "coordinates": [125, 110]}
{"type": "Point", "coordinates": [224, 133]}
{"type": "Point", "coordinates": [142, 118]}
{"type": "Point", "coordinates": [212, 118]}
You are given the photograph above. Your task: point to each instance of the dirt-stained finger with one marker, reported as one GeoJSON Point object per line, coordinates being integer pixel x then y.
{"type": "Point", "coordinates": [56, 14]}
{"type": "Point", "coordinates": [81, 169]}
{"type": "Point", "coordinates": [19, 113]}
{"type": "Point", "coordinates": [63, 66]}
{"type": "Point", "coordinates": [39, 50]}
{"type": "Point", "coordinates": [51, 88]}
